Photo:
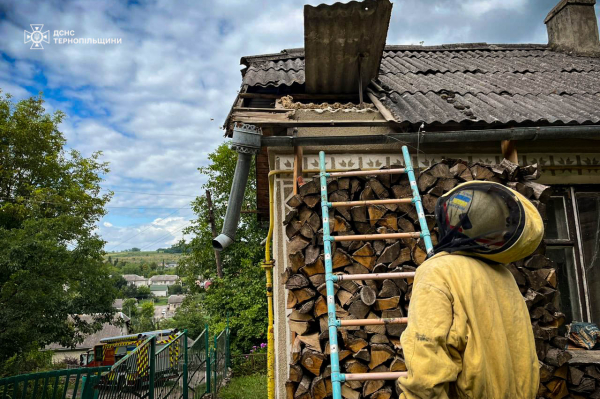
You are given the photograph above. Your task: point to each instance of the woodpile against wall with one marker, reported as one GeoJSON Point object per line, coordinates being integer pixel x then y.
{"type": "Point", "coordinates": [377, 348]}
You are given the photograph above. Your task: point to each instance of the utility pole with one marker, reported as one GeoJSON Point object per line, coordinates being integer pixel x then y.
{"type": "Point", "coordinates": [211, 219]}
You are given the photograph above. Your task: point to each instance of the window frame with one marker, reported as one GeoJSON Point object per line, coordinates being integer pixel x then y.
{"type": "Point", "coordinates": [569, 195]}
{"type": "Point", "coordinates": [583, 189]}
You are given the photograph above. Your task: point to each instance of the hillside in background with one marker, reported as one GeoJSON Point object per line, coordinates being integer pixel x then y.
{"type": "Point", "coordinates": [143, 257]}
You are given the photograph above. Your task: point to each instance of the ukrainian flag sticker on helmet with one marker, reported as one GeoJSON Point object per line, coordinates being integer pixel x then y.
{"type": "Point", "coordinates": [462, 200]}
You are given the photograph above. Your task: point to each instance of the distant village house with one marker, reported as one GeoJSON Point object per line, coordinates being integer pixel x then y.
{"type": "Point", "coordinates": [159, 290]}
{"type": "Point", "coordinates": [119, 326]}
{"type": "Point", "coordinates": [164, 279]}
{"type": "Point", "coordinates": [175, 302]}
{"type": "Point", "coordinates": [134, 279]}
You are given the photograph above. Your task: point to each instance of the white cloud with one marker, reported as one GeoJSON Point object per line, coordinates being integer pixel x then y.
{"type": "Point", "coordinates": [159, 233]}
{"type": "Point", "coordinates": [154, 103]}
{"type": "Point", "coordinates": [478, 7]}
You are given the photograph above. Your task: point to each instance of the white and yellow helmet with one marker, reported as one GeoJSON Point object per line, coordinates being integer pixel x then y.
{"type": "Point", "coordinates": [489, 220]}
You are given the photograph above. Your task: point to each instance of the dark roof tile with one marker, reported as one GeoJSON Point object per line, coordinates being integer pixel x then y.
{"type": "Point", "coordinates": [273, 77]}
{"type": "Point", "coordinates": [494, 108]}
{"type": "Point", "coordinates": [501, 83]}
{"type": "Point", "coordinates": [466, 82]}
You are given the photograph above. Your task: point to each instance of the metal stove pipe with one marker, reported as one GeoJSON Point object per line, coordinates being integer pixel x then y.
{"type": "Point", "coordinates": [246, 141]}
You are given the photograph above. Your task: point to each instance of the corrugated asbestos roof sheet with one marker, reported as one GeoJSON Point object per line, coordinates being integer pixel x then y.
{"type": "Point", "coordinates": [275, 73]}
{"type": "Point", "coordinates": [340, 37]}
{"type": "Point", "coordinates": [467, 82]}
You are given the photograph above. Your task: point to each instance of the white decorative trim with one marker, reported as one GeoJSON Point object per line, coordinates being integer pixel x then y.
{"type": "Point", "coordinates": [366, 161]}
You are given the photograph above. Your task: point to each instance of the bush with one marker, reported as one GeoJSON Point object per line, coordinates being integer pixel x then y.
{"type": "Point", "coordinates": [175, 289]}
{"type": "Point", "coordinates": [250, 363]}
{"type": "Point", "coordinates": [28, 362]}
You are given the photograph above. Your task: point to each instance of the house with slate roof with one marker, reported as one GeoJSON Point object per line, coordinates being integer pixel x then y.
{"type": "Point", "coordinates": [175, 302]}
{"type": "Point", "coordinates": [118, 326]}
{"type": "Point", "coordinates": [134, 279]}
{"type": "Point", "coordinates": [164, 279]}
{"type": "Point", "coordinates": [528, 103]}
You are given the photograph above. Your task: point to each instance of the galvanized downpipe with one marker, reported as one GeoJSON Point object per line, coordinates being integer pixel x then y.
{"type": "Point", "coordinates": [246, 141]}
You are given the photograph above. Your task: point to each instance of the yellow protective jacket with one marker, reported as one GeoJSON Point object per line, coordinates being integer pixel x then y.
{"type": "Point", "coordinates": [469, 334]}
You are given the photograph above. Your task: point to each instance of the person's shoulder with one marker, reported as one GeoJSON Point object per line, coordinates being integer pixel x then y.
{"type": "Point", "coordinates": [438, 273]}
{"type": "Point", "coordinates": [444, 266]}
{"type": "Point", "coordinates": [443, 261]}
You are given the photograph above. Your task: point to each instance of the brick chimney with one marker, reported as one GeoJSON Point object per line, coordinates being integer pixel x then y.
{"type": "Point", "coordinates": [573, 27]}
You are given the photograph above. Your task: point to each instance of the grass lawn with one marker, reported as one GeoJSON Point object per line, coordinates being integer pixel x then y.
{"type": "Point", "coordinates": [157, 301]}
{"type": "Point", "coordinates": [160, 301]}
{"type": "Point", "coordinates": [145, 256]}
{"type": "Point", "coordinates": [246, 387]}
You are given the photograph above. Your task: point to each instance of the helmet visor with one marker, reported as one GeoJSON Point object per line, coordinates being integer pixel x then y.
{"type": "Point", "coordinates": [483, 218]}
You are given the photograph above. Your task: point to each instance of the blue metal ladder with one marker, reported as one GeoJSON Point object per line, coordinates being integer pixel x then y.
{"type": "Point", "coordinates": [338, 378]}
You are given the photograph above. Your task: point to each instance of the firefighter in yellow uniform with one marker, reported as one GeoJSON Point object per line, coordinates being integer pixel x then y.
{"type": "Point", "coordinates": [469, 334]}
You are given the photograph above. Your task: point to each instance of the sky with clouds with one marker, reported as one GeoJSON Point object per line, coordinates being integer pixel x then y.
{"type": "Point", "coordinates": [155, 102]}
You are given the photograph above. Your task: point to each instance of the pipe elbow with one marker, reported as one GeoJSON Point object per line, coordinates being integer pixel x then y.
{"type": "Point", "coordinates": [222, 242]}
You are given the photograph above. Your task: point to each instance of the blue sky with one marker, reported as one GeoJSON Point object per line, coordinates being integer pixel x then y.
{"type": "Point", "coordinates": [155, 102]}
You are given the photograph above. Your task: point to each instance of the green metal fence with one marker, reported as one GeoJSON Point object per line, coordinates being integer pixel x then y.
{"type": "Point", "coordinates": [131, 377]}
{"type": "Point", "coordinates": [220, 361]}
{"type": "Point", "coordinates": [148, 372]}
{"type": "Point", "coordinates": [72, 383]}
{"type": "Point", "coordinates": [170, 375]}
{"type": "Point", "coordinates": [198, 365]}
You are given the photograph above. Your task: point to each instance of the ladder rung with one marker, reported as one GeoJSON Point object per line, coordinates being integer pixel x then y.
{"type": "Point", "coordinates": [393, 375]}
{"type": "Point", "coordinates": [367, 237]}
{"type": "Point", "coordinates": [374, 276]}
{"type": "Point", "coordinates": [341, 204]}
{"type": "Point", "coordinates": [367, 172]}
{"type": "Point", "coordinates": [372, 322]}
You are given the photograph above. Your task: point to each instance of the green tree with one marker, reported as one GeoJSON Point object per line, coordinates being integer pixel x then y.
{"type": "Point", "coordinates": [175, 249]}
{"type": "Point", "coordinates": [129, 291]}
{"type": "Point", "coordinates": [135, 249]}
{"type": "Point", "coordinates": [119, 283]}
{"type": "Point", "coordinates": [130, 307]}
{"type": "Point", "coordinates": [143, 292]}
{"type": "Point", "coordinates": [189, 315]}
{"type": "Point", "coordinates": [175, 289]}
{"type": "Point", "coordinates": [130, 268]}
{"type": "Point", "coordinates": [145, 319]}
{"type": "Point", "coordinates": [147, 310]}
{"type": "Point", "coordinates": [51, 265]}
{"type": "Point", "coordinates": [241, 293]}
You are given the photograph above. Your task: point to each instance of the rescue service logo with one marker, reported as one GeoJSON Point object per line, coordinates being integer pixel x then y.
{"type": "Point", "coordinates": [37, 37]}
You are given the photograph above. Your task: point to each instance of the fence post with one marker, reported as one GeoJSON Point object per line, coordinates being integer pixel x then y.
{"type": "Point", "coordinates": [152, 367]}
{"type": "Point", "coordinates": [207, 357]}
{"type": "Point", "coordinates": [216, 365]}
{"type": "Point", "coordinates": [227, 349]}
{"type": "Point", "coordinates": [185, 364]}
{"type": "Point", "coordinates": [87, 390]}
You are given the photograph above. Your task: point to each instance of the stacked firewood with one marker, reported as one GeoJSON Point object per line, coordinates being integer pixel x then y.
{"type": "Point", "coordinates": [377, 348]}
